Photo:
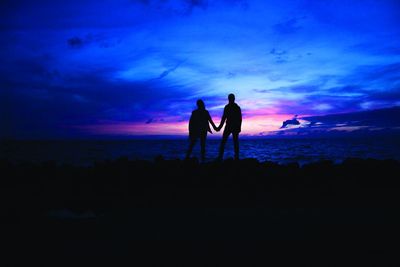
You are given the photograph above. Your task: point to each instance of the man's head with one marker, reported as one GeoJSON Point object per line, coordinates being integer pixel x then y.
{"type": "Point", "coordinates": [231, 98]}
{"type": "Point", "coordinates": [200, 104]}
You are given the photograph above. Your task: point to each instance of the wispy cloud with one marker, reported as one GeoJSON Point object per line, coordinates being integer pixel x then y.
{"type": "Point", "coordinates": [289, 26]}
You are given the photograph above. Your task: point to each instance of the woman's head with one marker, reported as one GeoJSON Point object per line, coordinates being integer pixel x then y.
{"type": "Point", "coordinates": [200, 104]}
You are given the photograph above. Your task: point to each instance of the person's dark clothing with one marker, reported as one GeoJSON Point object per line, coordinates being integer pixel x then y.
{"type": "Point", "coordinates": [199, 123]}
{"type": "Point", "coordinates": [233, 116]}
{"type": "Point", "coordinates": [198, 128]}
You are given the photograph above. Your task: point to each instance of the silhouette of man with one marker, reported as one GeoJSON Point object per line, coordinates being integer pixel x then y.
{"type": "Point", "coordinates": [198, 128]}
{"type": "Point", "coordinates": [233, 117]}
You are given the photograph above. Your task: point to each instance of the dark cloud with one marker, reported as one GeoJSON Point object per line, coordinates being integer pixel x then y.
{"type": "Point", "coordinates": [26, 73]}
{"type": "Point", "coordinates": [197, 3]}
{"type": "Point", "coordinates": [388, 117]}
{"type": "Point", "coordinates": [376, 49]}
{"type": "Point", "coordinates": [122, 94]}
{"type": "Point", "coordinates": [153, 120]}
{"type": "Point", "coordinates": [277, 52]}
{"type": "Point", "coordinates": [75, 42]}
{"type": "Point", "coordinates": [279, 55]}
{"type": "Point", "coordinates": [291, 89]}
{"type": "Point", "coordinates": [355, 93]}
{"type": "Point", "coordinates": [392, 95]}
{"type": "Point", "coordinates": [262, 90]}
{"type": "Point", "coordinates": [182, 7]}
{"type": "Point", "coordinates": [288, 26]}
{"type": "Point", "coordinates": [186, 7]}
{"type": "Point", "coordinates": [382, 122]}
{"type": "Point", "coordinates": [346, 89]}
{"type": "Point", "coordinates": [64, 14]}
{"type": "Point", "coordinates": [280, 61]}
{"type": "Point", "coordinates": [230, 75]}
{"type": "Point", "coordinates": [387, 96]}
{"type": "Point", "coordinates": [168, 71]}
{"type": "Point", "coordinates": [381, 72]}
{"type": "Point", "coordinates": [354, 16]}
{"type": "Point", "coordinates": [293, 121]}
{"type": "Point", "coordinates": [320, 103]}
{"type": "Point", "coordinates": [387, 74]}
{"type": "Point", "coordinates": [39, 101]}
{"type": "Point", "coordinates": [100, 40]}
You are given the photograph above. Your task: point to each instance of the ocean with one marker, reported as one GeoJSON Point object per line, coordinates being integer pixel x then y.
{"type": "Point", "coordinates": [86, 152]}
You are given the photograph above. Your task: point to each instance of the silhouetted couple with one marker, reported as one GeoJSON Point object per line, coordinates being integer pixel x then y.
{"type": "Point", "coordinates": [199, 126]}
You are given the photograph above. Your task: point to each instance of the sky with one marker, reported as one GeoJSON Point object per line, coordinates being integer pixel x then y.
{"type": "Point", "coordinates": [137, 67]}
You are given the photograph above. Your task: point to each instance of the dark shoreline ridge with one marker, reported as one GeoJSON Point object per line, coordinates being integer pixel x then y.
{"type": "Point", "coordinates": [111, 205]}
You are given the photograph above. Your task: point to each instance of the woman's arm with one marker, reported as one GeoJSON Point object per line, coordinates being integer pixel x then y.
{"type": "Point", "coordinates": [191, 124]}
{"type": "Point", "coordinates": [213, 124]}
{"type": "Point", "coordinates": [223, 119]}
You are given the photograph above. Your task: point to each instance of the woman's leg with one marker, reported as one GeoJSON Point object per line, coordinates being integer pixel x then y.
{"type": "Point", "coordinates": [203, 146]}
{"type": "Point", "coordinates": [191, 145]}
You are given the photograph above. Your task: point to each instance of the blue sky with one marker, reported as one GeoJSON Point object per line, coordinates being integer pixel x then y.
{"type": "Point", "coordinates": [75, 68]}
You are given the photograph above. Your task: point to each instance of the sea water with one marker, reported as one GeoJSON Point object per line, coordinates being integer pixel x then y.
{"type": "Point", "coordinates": [84, 152]}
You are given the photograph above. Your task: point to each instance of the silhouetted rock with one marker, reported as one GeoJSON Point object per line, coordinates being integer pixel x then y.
{"type": "Point", "coordinates": [293, 121]}
{"type": "Point", "coordinates": [77, 209]}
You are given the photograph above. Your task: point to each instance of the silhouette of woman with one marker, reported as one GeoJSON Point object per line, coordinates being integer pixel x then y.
{"type": "Point", "coordinates": [198, 128]}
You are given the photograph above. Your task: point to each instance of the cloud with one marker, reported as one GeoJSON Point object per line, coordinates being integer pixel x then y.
{"type": "Point", "coordinates": [181, 7]}
{"type": "Point", "coordinates": [287, 123]}
{"type": "Point", "coordinates": [277, 52]}
{"type": "Point", "coordinates": [100, 40]}
{"type": "Point", "coordinates": [388, 95]}
{"type": "Point", "coordinates": [388, 117]}
{"type": "Point", "coordinates": [376, 48]}
{"type": "Point", "coordinates": [197, 3]}
{"type": "Point", "coordinates": [379, 121]}
{"type": "Point", "coordinates": [381, 72]}
{"type": "Point", "coordinates": [289, 26]}
{"type": "Point", "coordinates": [372, 73]}
{"type": "Point", "coordinates": [34, 105]}
{"type": "Point", "coordinates": [168, 71]}
{"type": "Point", "coordinates": [371, 79]}
{"type": "Point", "coordinates": [186, 7]}
{"type": "Point", "coordinates": [75, 42]}
{"type": "Point", "coordinates": [162, 120]}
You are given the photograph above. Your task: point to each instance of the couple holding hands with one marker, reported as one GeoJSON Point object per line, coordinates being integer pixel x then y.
{"type": "Point", "coordinates": [199, 126]}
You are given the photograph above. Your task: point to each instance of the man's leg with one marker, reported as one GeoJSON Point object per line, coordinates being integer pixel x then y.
{"type": "Point", "coordinates": [225, 136]}
{"type": "Point", "coordinates": [235, 137]}
{"type": "Point", "coordinates": [203, 146]}
{"type": "Point", "coordinates": [191, 145]}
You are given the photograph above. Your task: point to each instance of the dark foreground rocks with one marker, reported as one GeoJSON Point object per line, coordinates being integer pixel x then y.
{"type": "Point", "coordinates": [182, 212]}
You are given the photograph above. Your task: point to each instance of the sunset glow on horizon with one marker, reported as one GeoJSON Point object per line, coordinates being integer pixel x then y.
{"type": "Point", "coordinates": [252, 126]}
